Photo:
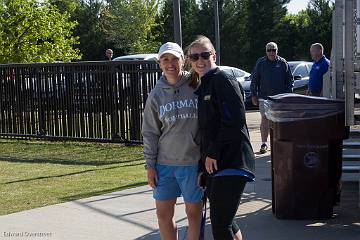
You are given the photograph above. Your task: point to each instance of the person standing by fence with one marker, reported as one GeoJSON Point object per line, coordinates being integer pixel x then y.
{"type": "Point", "coordinates": [109, 54]}
{"type": "Point", "coordinates": [171, 145]}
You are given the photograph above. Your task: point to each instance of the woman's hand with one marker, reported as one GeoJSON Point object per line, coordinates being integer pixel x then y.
{"type": "Point", "coordinates": [211, 165]}
{"type": "Point", "coordinates": [152, 177]}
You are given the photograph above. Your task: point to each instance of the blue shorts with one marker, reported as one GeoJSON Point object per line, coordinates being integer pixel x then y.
{"type": "Point", "coordinates": [175, 181]}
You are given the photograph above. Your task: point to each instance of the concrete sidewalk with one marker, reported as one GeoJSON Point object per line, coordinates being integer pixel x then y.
{"type": "Point", "coordinates": [130, 214]}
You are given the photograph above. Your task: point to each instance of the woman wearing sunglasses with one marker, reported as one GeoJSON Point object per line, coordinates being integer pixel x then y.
{"type": "Point", "coordinates": [227, 155]}
{"type": "Point", "coordinates": [171, 145]}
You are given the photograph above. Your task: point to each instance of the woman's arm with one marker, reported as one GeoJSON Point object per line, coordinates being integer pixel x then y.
{"type": "Point", "coordinates": [151, 130]}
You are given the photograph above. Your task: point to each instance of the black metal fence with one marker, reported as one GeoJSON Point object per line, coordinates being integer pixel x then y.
{"type": "Point", "coordinates": [92, 101]}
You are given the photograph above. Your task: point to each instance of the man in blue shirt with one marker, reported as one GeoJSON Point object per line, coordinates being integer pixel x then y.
{"type": "Point", "coordinates": [319, 68]}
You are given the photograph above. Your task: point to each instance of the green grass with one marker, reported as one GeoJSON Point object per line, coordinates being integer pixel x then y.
{"type": "Point", "coordinates": [36, 173]}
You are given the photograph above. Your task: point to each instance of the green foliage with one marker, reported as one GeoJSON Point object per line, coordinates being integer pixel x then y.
{"type": "Point", "coordinates": [320, 16]}
{"type": "Point", "coordinates": [93, 42]}
{"type": "Point", "coordinates": [190, 20]}
{"type": "Point", "coordinates": [35, 32]}
{"type": "Point", "coordinates": [234, 41]}
{"type": "Point", "coordinates": [141, 26]}
{"type": "Point", "coordinates": [307, 27]}
{"type": "Point", "coordinates": [262, 19]}
{"type": "Point", "coordinates": [68, 6]}
{"type": "Point", "coordinates": [129, 24]}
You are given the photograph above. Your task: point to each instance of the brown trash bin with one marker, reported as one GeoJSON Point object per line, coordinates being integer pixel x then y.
{"type": "Point", "coordinates": [306, 154]}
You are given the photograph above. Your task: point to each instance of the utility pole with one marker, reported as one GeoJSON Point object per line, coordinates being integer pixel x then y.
{"type": "Point", "coordinates": [177, 22]}
{"type": "Point", "coordinates": [217, 31]}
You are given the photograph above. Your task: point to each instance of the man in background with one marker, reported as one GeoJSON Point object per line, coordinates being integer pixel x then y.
{"type": "Point", "coordinates": [319, 68]}
{"type": "Point", "coordinates": [108, 54]}
{"type": "Point", "coordinates": [271, 76]}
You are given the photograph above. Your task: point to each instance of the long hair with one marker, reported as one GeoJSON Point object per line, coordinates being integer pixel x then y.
{"type": "Point", "coordinates": [199, 40]}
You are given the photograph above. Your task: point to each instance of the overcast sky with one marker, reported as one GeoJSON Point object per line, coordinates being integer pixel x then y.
{"type": "Point", "coordinates": [296, 6]}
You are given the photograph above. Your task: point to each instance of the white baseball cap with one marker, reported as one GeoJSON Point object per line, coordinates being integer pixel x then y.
{"type": "Point", "coordinates": [172, 48]}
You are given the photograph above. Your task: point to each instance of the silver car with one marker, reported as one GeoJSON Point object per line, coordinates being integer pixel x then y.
{"type": "Point", "coordinates": [300, 71]}
{"type": "Point", "coordinates": [138, 57]}
{"type": "Point", "coordinates": [239, 74]}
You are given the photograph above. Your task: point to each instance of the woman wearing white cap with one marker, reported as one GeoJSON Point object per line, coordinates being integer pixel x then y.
{"type": "Point", "coordinates": [171, 143]}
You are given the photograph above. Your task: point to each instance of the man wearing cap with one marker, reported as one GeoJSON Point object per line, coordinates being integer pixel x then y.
{"type": "Point", "coordinates": [171, 144]}
{"type": "Point", "coordinates": [271, 76]}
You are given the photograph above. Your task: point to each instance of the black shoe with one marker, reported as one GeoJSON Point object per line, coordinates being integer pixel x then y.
{"type": "Point", "coordinates": [263, 148]}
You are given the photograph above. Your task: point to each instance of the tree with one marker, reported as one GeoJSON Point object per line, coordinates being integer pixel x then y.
{"type": "Point", "coordinates": [307, 27]}
{"type": "Point", "coordinates": [291, 30]}
{"type": "Point", "coordinates": [262, 18]}
{"type": "Point", "coordinates": [206, 19]}
{"type": "Point", "coordinates": [68, 6]}
{"type": "Point", "coordinates": [245, 27]}
{"type": "Point", "coordinates": [129, 24]}
{"type": "Point", "coordinates": [32, 31]}
{"type": "Point", "coordinates": [234, 41]}
{"type": "Point", "coordinates": [190, 21]}
{"type": "Point", "coordinates": [320, 24]}
{"type": "Point", "coordinates": [93, 42]}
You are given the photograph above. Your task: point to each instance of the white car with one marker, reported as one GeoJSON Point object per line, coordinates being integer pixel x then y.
{"type": "Point", "coordinates": [138, 57]}
{"type": "Point", "coordinates": [239, 74]}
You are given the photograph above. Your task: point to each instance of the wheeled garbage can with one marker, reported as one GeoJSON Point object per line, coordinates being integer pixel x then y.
{"type": "Point", "coordinates": [306, 154]}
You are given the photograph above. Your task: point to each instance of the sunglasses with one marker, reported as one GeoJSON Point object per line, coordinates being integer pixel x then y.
{"type": "Point", "coordinates": [271, 50]}
{"type": "Point", "coordinates": [204, 55]}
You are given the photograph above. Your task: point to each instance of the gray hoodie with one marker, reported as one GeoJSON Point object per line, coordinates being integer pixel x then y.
{"type": "Point", "coordinates": [170, 126]}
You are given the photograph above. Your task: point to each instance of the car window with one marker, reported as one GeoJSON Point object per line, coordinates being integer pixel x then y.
{"type": "Point", "coordinates": [301, 71]}
{"type": "Point", "coordinates": [228, 71]}
{"type": "Point", "coordinates": [238, 73]}
{"type": "Point", "coordinates": [293, 66]}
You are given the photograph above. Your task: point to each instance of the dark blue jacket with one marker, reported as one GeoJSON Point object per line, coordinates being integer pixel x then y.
{"type": "Point", "coordinates": [271, 78]}
{"type": "Point", "coordinates": [222, 122]}
{"type": "Point", "coordinates": [317, 72]}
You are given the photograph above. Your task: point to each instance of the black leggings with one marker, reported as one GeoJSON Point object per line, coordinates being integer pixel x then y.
{"type": "Point", "coordinates": [224, 194]}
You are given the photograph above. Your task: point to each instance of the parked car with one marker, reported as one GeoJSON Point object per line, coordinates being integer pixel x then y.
{"type": "Point", "coordinates": [239, 74]}
{"type": "Point", "coordinates": [137, 57]}
{"type": "Point", "coordinates": [300, 71]}
{"type": "Point", "coordinates": [242, 76]}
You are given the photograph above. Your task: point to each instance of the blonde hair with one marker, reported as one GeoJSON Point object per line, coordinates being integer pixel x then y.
{"type": "Point", "coordinates": [202, 41]}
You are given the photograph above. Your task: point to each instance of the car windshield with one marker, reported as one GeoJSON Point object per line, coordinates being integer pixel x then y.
{"type": "Point", "coordinates": [238, 73]}
{"type": "Point", "coordinates": [293, 66]}
{"type": "Point", "coordinates": [301, 70]}
{"type": "Point", "coordinates": [228, 71]}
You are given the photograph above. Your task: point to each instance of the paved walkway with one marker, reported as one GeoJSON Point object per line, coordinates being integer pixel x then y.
{"type": "Point", "coordinates": [130, 214]}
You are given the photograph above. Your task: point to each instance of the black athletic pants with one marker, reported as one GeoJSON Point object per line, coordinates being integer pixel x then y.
{"type": "Point", "coordinates": [224, 194]}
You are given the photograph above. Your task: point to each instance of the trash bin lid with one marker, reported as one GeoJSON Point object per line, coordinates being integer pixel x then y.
{"type": "Point", "coordinates": [290, 107]}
